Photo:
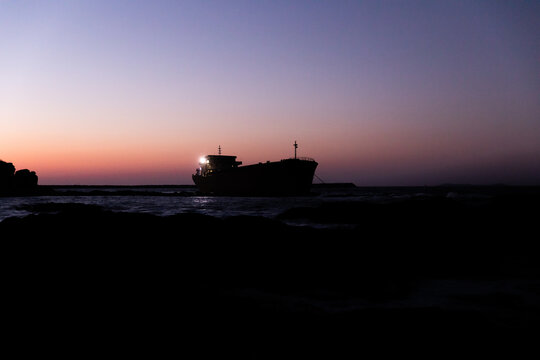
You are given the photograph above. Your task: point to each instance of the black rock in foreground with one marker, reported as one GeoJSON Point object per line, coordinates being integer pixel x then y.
{"type": "Point", "coordinates": [408, 275]}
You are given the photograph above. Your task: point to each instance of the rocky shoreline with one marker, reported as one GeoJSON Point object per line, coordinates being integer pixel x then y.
{"type": "Point", "coordinates": [257, 287]}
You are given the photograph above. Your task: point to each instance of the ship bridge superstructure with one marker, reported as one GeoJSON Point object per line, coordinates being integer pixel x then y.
{"type": "Point", "coordinates": [210, 164]}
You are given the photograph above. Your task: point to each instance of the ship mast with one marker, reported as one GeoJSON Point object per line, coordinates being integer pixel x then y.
{"type": "Point", "coordinates": [295, 147]}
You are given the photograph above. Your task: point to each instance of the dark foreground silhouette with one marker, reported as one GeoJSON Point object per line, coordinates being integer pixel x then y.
{"type": "Point", "coordinates": [433, 276]}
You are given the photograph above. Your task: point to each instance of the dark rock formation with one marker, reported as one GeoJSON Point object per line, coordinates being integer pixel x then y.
{"type": "Point", "coordinates": [19, 182]}
{"type": "Point", "coordinates": [26, 179]}
{"type": "Point", "coordinates": [7, 171]}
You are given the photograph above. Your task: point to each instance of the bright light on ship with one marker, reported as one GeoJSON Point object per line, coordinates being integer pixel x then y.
{"type": "Point", "coordinates": [202, 160]}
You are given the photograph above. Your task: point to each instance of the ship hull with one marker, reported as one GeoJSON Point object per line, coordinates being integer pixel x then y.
{"type": "Point", "coordinates": [280, 178]}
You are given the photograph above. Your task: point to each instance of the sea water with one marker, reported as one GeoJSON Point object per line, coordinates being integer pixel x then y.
{"type": "Point", "coordinates": [169, 201]}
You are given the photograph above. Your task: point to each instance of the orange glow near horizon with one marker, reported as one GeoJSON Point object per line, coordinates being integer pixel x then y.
{"type": "Point", "coordinates": [377, 154]}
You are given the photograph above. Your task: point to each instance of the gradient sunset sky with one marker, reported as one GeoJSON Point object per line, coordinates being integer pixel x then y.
{"type": "Point", "coordinates": [378, 92]}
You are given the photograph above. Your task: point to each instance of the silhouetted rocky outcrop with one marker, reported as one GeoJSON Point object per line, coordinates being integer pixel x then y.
{"type": "Point", "coordinates": [16, 182]}
{"type": "Point", "coordinates": [26, 179]}
{"type": "Point", "coordinates": [7, 171]}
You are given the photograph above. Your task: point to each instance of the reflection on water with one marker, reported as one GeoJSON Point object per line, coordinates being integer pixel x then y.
{"type": "Point", "coordinates": [224, 206]}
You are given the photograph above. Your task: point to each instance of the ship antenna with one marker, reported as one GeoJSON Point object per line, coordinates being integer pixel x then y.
{"type": "Point", "coordinates": [295, 147]}
{"type": "Point", "coordinates": [219, 149]}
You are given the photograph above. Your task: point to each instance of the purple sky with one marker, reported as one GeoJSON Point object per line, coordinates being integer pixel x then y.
{"type": "Point", "coordinates": [378, 92]}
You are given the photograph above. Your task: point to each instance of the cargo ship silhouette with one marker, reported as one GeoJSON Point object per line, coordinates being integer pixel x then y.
{"type": "Point", "coordinates": [223, 175]}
